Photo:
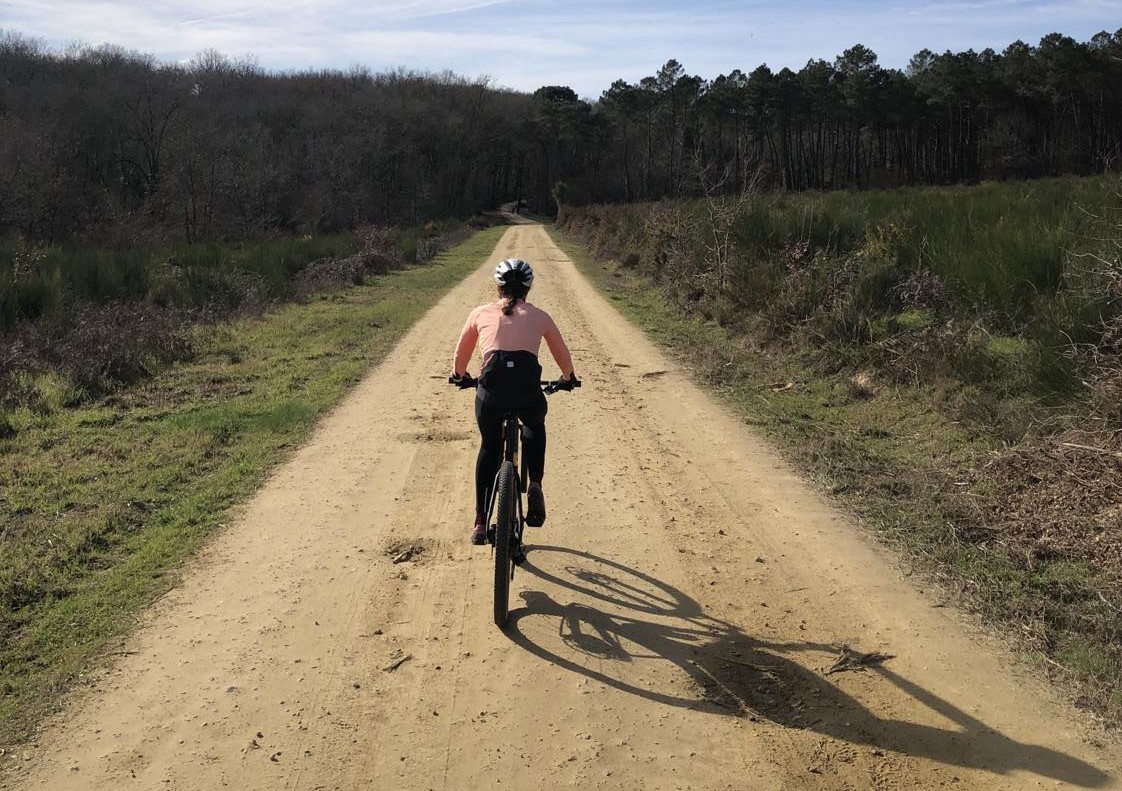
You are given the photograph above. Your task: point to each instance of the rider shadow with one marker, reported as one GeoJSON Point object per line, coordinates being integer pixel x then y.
{"type": "Point", "coordinates": [738, 675]}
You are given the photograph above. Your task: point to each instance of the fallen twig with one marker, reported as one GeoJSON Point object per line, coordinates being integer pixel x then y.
{"type": "Point", "coordinates": [1103, 451]}
{"type": "Point", "coordinates": [855, 660]}
{"type": "Point", "coordinates": [397, 662]}
{"type": "Point", "coordinates": [765, 669]}
{"type": "Point", "coordinates": [1108, 604]}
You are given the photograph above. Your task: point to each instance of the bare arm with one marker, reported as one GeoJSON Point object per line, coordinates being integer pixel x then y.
{"type": "Point", "coordinates": [468, 336]}
{"type": "Point", "coordinates": [558, 349]}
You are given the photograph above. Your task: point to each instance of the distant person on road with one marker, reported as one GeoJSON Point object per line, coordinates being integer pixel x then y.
{"type": "Point", "coordinates": [509, 333]}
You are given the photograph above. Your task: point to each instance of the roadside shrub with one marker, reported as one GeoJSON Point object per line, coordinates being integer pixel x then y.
{"type": "Point", "coordinates": [381, 250]}
{"type": "Point", "coordinates": [669, 246]}
{"type": "Point", "coordinates": [105, 346]}
{"type": "Point", "coordinates": [334, 272]}
{"type": "Point", "coordinates": [1106, 370]}
{"type": "Point", "coordinates": [27, 290]}
{"type": "Point", "coordinates": [89, 353]}
{"type": "Point", "coordinates": [103, 275]}
{"type": "Point", "coordinates": [857, 295]}
{"type": "Point", "coordinates": [408, 247]}
{"type": "Point", "coordinates": [16, 391]}
{"type": "Point", "coordinates": [222, 290]}
{"type": "Point", "coordinates": [794, 297]}
{"type": "Point", "coordinates": [41, 282]}
{"type": "Point", "coordinates": [1106, 385]}
{"type": "Point", "coordinates": [92, 320]}
{"type": "Point", "coordinates": [915, 279]}
{"type": "Point", "coordinates": [920, 354]}
{"type": "Point", "coordinates": [427, 249]}
{"type": "Point", "coordinates": [378, 240]}
{"type": "Point", "coordinates": [922, 290]}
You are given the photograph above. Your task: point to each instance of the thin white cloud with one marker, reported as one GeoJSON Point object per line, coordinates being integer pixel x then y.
{"type": "Point", "coordinates": [225, 15]}
{"type": "Point", "coordinates": [448, 8]}
{"type": "Point", "coordinates": [965, 5]}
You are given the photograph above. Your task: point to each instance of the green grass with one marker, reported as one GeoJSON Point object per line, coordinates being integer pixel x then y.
{"type": "Point", "coordinates": [899, 457]}
{"type": "Point", "coordinates": [39, 281]}
{"type": "Point", "coordinates": [1004, 243]}
{"type": "Point", "coordinates": [850, 269]}
{"type": "Point", "coordinates": [102, 503]}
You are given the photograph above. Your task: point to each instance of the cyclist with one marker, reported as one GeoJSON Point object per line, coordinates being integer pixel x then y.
{"type": "Point", "coordinates": [509, 333]}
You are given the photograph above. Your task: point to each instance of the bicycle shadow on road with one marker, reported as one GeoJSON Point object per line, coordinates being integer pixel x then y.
{"type": "Point", "coordinates": [624, 616]}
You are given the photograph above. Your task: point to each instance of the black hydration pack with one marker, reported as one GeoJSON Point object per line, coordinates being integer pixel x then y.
{"type": "Point", "coordinates": [511, 377]}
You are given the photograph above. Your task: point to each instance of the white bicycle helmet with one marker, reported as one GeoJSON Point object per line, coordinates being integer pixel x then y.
{"type": "Point", "coordinates": [514, 272]}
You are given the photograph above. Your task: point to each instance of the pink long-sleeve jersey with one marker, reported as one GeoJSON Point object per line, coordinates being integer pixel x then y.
{"type": "Point", "coordinates": [522, 330]}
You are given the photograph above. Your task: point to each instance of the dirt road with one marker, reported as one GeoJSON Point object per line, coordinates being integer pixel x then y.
{"type": "Point", "coordinates": [669, 632]}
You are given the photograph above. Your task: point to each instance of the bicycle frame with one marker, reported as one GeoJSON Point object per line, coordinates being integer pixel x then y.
{"type": "Point", "coordinates": [504, 534]}
{"type": "Point", "coordinates": [512, 436]}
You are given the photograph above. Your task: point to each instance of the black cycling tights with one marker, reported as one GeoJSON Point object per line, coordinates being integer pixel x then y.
{"type": "Point", "coordinates": [490, 420]}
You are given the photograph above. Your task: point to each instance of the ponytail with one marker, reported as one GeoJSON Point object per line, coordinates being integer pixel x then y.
{"type": "Point", "coordinates": [512, 295]}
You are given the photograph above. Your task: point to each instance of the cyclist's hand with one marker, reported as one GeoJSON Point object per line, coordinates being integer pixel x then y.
{"type": "Point", "coordinates": [462, 381]}
{"type": "Point", "coordinates": [563, 384]}
{"type": "Point", "coordinates": [568, 383]}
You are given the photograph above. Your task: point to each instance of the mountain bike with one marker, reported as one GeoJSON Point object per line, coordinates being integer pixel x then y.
{"type": "Point", "coordinates": [504, 499]}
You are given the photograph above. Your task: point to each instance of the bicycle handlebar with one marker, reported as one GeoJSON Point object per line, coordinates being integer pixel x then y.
{"type": "Point", "coordinates": [467, 380]}
{"type": "Point", "coordinates": [464, 382]}
{"type": "Point", "coordinates": [560, 384]}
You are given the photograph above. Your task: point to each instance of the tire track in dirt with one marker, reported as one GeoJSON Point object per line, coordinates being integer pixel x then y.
{"type": "Point", "coordinates": [669, 630]}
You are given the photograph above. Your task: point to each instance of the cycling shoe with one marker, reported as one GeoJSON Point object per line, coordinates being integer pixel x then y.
{"type": "Point", "coordinates": [479, 532]}
{"type": "Point", "coordinates": [535, 505]}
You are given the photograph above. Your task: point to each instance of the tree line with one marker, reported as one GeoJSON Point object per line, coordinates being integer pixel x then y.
{"type": "Point", "coordinates": [1027, 112]}
{"type": "Point", "coordinates": [102, 143]}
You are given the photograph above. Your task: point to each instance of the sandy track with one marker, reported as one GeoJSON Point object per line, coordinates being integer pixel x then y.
{"type": "Point", "coordinates": [669, 631]}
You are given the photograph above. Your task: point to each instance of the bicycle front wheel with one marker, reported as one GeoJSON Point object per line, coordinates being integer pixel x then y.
{"type": "Point", "coordinates": [506, 532]}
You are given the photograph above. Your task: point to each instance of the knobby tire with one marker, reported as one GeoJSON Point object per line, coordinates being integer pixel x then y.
{"type": "Point", "coordinates": [506, 518]}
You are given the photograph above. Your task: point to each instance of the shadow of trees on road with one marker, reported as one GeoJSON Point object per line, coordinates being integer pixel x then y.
{"type": "Point", "coordinates": [623, 615]}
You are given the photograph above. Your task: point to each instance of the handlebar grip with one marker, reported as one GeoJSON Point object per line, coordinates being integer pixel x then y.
{"type": "Point", "coordinates": [560, 384]}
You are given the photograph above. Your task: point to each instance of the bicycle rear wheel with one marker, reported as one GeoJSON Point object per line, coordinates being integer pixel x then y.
{"type": "Point", "coordinates": [506, 532]}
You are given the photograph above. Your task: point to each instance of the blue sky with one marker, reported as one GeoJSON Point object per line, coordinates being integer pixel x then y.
{"type": "Point", "coordinates": [526, 44]}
